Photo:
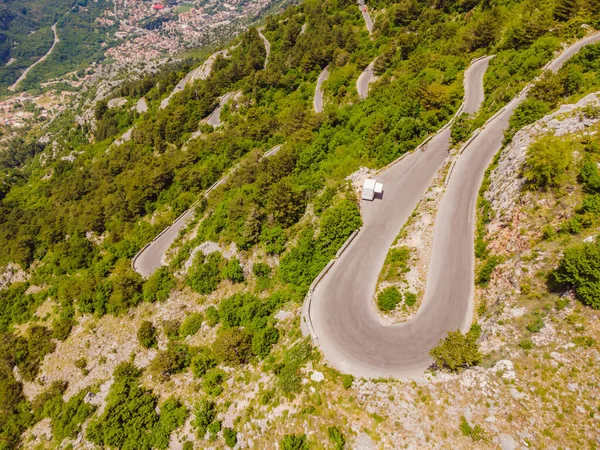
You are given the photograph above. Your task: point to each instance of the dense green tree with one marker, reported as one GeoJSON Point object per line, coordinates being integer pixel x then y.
{"type": "Point", "coordinates": [233, 271]}
{"type": "Point", "coordinates": [337, 224]}
{"type": "Point", "coordinates": [294, 442]}
{"type": "Point", "coordinates": [174, 359]}
{"type": "Point", "coordinates": [580, 268]}
{"type": "Point", "coordinates": [547, 163]}
{"type": "Point", "coordinates": [130, 420]}
{"type": "Point", "coordinates": [565, 9]}
{"type": "Point", "coordinates": [147, 335]}
{"type": "Point", "coordinates": [159, 285]}
{"type": "Point", "coordinates": [126, 288]}
{"type": "Point", "coordinates": [457, 350]}
{"type": "Point", "coordinates": [191, 324]}
{"type": "Point", "coordinates": [233, 346]}
{"type": "Point", "coordinates": [263, 340]}
{"type": "Point", "coordinates": [202, 361]}
{"type": "Point", "coordinates": [205, 275]}
{"type": "Point", "coordinates": [205, 414]}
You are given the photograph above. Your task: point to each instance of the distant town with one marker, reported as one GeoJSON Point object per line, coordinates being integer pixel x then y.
{"type": "Point", "coordinates": [146, 31]}
{"type": "Point", "coordinates": [150, 30]}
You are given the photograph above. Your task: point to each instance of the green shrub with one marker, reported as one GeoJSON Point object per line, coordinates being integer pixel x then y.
{"type": "Point", "coordinates": [230, 436]}
{"type": "Point", "coordinates": [146, 335]}
{"type": "Point", "coordinates": [526, 113]}
{"type": "Point", "coordinates": [191, 324]}
{"type": "Point", "coordinates": [188, 445]}
{"type": "Point", "coordinates": [159, 285]}
{"type": "Point", "coordinates": [233, 346]}
{"type": "Point", "coordinates": [461, 128]}
{"type": "Point", "coordinates": [526, 344]}
{"type": "Point", "coordinates": [61, 328]}
{"type": "Point", "coordinates": [261, 270]}
{"type": "Point", "coordinates": [15, 305]}
{"type": "Point", "coordinates": [213, 429]}
{"type": "Point", "coordinates": [396, 264]}
{"type": "Point", "coordinates": [288, 371]}
{"type": "Point", "coordinates": [212, 382]}
{"type": "Point", "coordinates": [233, 271]}
{"type": "Point", "coordinates": [171, 328]}
{"type": "Point", "coordinates": [263, 339]}
{"type": "Point", "coordinates": [130, 419]}
{"type": "Point", "coordinates": [476, 433]}
{"type": "Point", "coordinates": [204, 414]}
{"type": "Point", "coordinates": [536, 324]}
{"type": "Point", "coordinates": [487, 268]}
{"type": "Point", "coordinates": [337, 224]}
{"type": "Point", "coordinates": [274, 239]}
{"type": "Point", "coordinates": [547, 163]}
{"type": "Point", "coordinates": [246, 310]}
{"type": "Point", "coordinates": [548, 232]}
{"type": "Point", "coordinates": [580, 268]}
{"type": "Point", "coordinates": [172, 360]}
{"type": "Point", "coordinates": [584, 341]}
{"type": "Point", "coordinates": [457, 350]}
{"type": "Point", "coordinates": [202, 361]}
{"type": "Point", "coordinates": [212, 316]}
{"type": "Point", "coordinates": [410, 298]}
{"type": "Point", "coordinates": [205, 275]}
{"type": "Point", "coordinates": [68, 421]}
{"type": "Point", "coordinates": [303, 262]}
{"type": "Point", "coordinates": [337, 438]}
{"type": "Point", "coordinates": [39, 343]}
{"type": "Point", "coordinates": [347, 381]}
{"type": "Point", "coordinates": [125, 289]}
{"type": "Point", "coordinates": [591, 204]}
{"type": "Point", "coordinates": [389, 298]}
{"type": "Point", "coordinates": [589, 175]}
{"type": "Point", "coordinates": [66, 418]}
{"type": "Point", "coordinates": [294, 442]}
{"type": "Point", "coordinates": [324, 200]}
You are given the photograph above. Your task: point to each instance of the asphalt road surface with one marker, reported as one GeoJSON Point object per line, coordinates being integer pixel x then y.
{"type": "Point", "coordinates": [318, 100]}
{"type": "Point", "coordinates": [366, 15]}
{"type": "Point", "coordinates": [215, 117]}
{"type": "Point", "coordinates": [365, 78]}
{"type": "Point", "coordinates": [346, 325]}
{"type": "Point", "coordinates": [267, 44]}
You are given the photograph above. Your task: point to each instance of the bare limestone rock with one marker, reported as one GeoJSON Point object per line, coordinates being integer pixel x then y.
{"type": "Point", "coordinates": [506, 180]}
{"type": "Point", "coordinates": [12, 273]}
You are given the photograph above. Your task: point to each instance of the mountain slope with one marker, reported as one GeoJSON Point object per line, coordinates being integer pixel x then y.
{"type": "Point", "coordinates": [218, 329]}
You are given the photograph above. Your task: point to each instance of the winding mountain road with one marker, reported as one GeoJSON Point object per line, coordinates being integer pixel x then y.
{"type": "Point", "coordinates": [39, 61]}
{"type": "Point", "coordinates": [365, 79]}
{"type": "Point", "coordinates": [318, 99]}
{"type": "Point", "coordinates": [366, 15]}
{"type": "Point", "coordinates": [343, 318]}
{"type": "Point", "coordinates": [267, 44]}
{"type": "Point", "coordinates": [215, 117]}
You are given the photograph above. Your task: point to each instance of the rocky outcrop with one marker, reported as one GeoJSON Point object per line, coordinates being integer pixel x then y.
{"type": "Point", "coordinates": [12, 273]}
{"type": "Point", "coordinates": [507, 180]}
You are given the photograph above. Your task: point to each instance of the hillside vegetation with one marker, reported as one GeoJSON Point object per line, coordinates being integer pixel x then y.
{"type": "Point", "coordinates": [217, 327]}
{"type": "Point", "coordinates": [26, 35]}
